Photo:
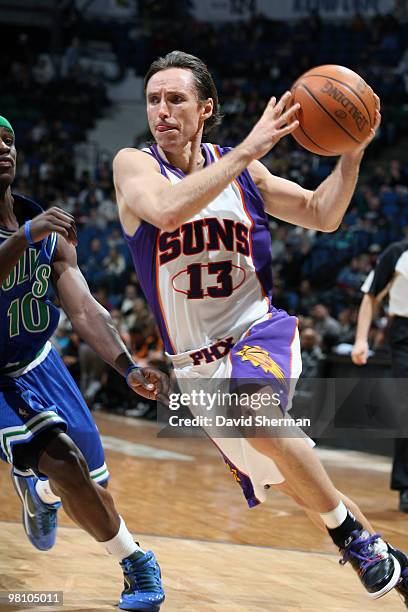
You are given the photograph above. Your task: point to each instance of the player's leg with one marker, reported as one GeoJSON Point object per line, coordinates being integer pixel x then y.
{"type": "Point", "coordinates": [275, 345]}
{"type": "Point", "coordinates": [91, 506]}
{"type": "Point", "coordinates": [369, 555]}
{"type": "Point", "coordinates": [315, 517]}
{"type": "Point", "coordinates": [73, 464]}
{"type": "Point", "coordinates": [39, 513]}
{"type": "Point", "coordinates": [86, 502]}
{"type": "Point", "coordinates": [302, 470]}
{"type": "Point", "coordinates": [399, 366]}
{"type": "Point", "coordinates": [399, 476]}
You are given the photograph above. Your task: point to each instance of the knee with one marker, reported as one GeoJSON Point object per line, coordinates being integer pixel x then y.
{"type": "Point", "coordinates": [64, 464]}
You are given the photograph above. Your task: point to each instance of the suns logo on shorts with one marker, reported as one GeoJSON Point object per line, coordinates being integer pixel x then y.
{"type": "Point", "coordinates": [259, 357]}
{"type": "Point", "coordinates": [234, 472]}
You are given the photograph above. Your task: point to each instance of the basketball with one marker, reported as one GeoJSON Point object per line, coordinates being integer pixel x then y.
{"type": "Point", "coordinates": [337, 110]}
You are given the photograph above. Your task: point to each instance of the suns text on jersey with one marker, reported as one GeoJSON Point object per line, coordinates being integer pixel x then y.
{"type": "Point", "coordinates": [209, 234]}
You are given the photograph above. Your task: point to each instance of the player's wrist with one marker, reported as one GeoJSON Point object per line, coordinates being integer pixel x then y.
{"type": "Point", "coordinates": [244, 153]}
{"type": "Point", "coordinates": [130, 369]}
{"type": "Point", "coordinates": [352, 159]}
{"type": "Point", "coordinates": [20, 238]}
{"type": "Point", "coordinates": [28, 233]}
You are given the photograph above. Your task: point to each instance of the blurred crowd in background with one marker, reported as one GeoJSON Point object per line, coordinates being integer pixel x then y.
{"type": "Point", "coordinates": [316, 276]}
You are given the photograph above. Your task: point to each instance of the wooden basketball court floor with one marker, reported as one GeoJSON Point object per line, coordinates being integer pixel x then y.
{"type": "Point", "coordinates": [179, 499]}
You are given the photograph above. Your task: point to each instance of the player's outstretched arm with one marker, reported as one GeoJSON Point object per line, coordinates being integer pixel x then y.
{"type": "Point", "coordinates": [322, 209]}
{"type": "Point", "coordinates": [359, 353]}
{"type": "Point", "coordinates": [52, 220]}
{"type": "Point", "coordinates": [94, 325]}
{"type": "Point", "coordinates": [143, 194]}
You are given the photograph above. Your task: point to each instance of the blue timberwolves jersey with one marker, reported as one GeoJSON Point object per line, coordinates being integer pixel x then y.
{"type": "Point", "coordinates": [28, 317]}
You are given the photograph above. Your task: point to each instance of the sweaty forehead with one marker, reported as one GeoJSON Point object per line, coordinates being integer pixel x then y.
{"type": "Point", "coordinates": [174, 79]}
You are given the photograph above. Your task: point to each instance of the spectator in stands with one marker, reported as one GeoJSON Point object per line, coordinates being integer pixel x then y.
{"type": "Point", "coordinates": [91, 369]}
{"type": "Point", "coordinates": [311, 352]}
{"type": "Point", "coordinates": [70, 60]}
{"type": "Point", "coordinates": [128, 301]}
{"type": "Point", "coordinates": [328, 328]}
{"type": "Point", "coordinates": [307, 297]}
{"type": "Point", "coordinates": [93, 265]}
{"type": "Point", "coordinates": [108, 209]}
{"type": "Point", "coordinates": [348, 322]}
{"type": "Point", "coordinates": [43, 71]}
{"type": "Point", "coordinates": [114, 265]}
{"type": "Point", "coordinates": [354, 274]}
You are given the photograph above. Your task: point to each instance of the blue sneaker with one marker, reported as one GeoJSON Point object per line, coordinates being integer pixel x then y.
{"type": "Point", "coordinates": [143, 586]}
{"type": "Point", "coordinates": [378, 569]}
{"type": "Point", "coordinates": [39, 519]}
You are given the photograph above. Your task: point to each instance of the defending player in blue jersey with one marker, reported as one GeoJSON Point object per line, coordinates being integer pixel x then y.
{"type": "Point", "coordinates": [46, 431]}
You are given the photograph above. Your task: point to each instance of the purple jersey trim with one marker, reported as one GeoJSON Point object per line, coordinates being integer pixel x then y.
{"type": "Point", "coordinates": [208, 155]}
{"type": "Point", "coordinates": [165, 164]}
{"type": "Point", "coordinates": [162, 170]}
{"type": "Point", "coordinates": [260, 236]}
{"type": "Point", "coordinates": [243, 480]}
{"type": "Point", "coordinates": [208, 159]}
{"type": "Point", "coordinates": [143, 248]}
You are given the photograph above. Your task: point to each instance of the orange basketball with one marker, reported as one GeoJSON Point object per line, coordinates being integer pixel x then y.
{"type": "Point", "coordinates": [337, 110]}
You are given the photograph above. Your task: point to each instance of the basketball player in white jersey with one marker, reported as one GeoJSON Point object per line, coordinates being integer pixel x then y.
{"type": "Point", "coordinates": [195, 219]}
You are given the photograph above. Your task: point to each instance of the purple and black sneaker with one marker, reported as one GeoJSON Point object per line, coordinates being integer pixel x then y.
{"type": "Point", "coordinates": [369, 555]}
{"type": "Point", "coordinates": [402, 584]}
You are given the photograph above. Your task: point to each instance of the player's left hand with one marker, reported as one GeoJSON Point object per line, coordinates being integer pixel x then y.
{"type": "Point", "coordinates": [357, 153]}
{"type": "Point", "coordinates": [150, 383]}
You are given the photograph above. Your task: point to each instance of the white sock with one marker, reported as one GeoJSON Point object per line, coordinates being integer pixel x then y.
{"type": "Point", "coordinates": [123, 544]}
{"type": "Point", "coordinates": [336, 517]}
{"type": "Point", "coordinates": [45, 493]}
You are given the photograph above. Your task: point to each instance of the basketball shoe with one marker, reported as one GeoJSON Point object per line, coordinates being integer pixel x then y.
{"type": "Point", "coordinates": [39, 519]}
{"type": "Point", "coordinates": [143, 586]}
{"type": "Point", "coordinates": [378, 569]}
{"type": "Point", "coordinates": [402, 584]}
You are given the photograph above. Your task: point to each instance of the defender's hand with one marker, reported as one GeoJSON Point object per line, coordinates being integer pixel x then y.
{"type": "Point", "coordinates": [359, 353]}
{"type": "Point", "coordinates": [272, 126]}
{"type": "Point", "coordinates": [54, 220]}
{"type": "Point", "coordinates": [149, 382]}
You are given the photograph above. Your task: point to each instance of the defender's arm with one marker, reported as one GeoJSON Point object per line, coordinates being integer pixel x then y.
{"type": "Point", "coordinates": [93, 323]}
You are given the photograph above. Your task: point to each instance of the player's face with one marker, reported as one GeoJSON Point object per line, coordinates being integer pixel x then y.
{"type": "Point", "coordinates": [173, 108]}
{"type": "Point", "coordinates": [8, 156]}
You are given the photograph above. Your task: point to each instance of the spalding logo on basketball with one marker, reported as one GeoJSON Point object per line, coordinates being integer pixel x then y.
{"type": "Point", "coordinates": [337, 110]}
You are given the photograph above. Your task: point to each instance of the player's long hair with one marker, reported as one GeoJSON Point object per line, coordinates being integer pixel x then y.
{"type": "Point", "coordinates": [203, 80]}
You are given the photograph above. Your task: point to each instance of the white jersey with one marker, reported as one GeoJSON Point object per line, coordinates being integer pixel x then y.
{"type": "Point", "coordinates": [209, 284]}
{"type": "Point", "coordinates": [211, 277]}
